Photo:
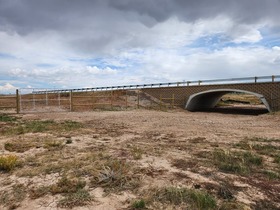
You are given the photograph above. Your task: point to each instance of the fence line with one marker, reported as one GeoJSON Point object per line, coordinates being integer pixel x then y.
{"type": "Point", "coordinates": [34, 100]}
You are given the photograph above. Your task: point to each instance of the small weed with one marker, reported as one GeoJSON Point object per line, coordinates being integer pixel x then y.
{"type": "Point", "coordinates": [194, 198]}
{"type": "Point", "coordinates": [38, 126]}
{"type": "Point", "coordinates": [271, 174]}
{"type": "Point", "coordinates": [69, 141]}
{"type": "Point", "coordinates": [231, 206]}
{"type": "Point", "coordinates": [69, 125]}
{"type": "Point", "coordinates": [236, 162]}
{"type": "Point", "coordinates": [19, 145]}
{"type": "Point", "coordinates": [53, 144]}
{"type": "Point", "coordinates": [266, 149]}
{"type": "Point", "coordinates": [277, 158]}
{"type": "Point", "coordinates": [7, 118]}
{"type": "Point", "coordinates": [79, 198]}
{"type": "Point", "coordinates": [140, 204]}
{"type": "Point", "coordinates": [8, 162]}
{"type": "Point", "coordinates": [137, 153]}
{"type": "Point", "coordinates": [13, 198]}
{"type": "Point", "coordinates": [115, 175]}
{"type": "Point", "coordinates": [66, 185]}
{"type": "Point", "coordinates": [260, 139]}
{"type": "Point", "coordinates": [39, 192]}
{"type": "Point", "coordinates": [183, 164]}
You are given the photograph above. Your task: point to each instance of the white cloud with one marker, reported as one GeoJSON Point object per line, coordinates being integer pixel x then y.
{"type": "Point", "coordinates": [247, 34]}
{"type": "Point", "coordinates": [7, 88]}
{"type": "Point", "coordinates": [98, 71]}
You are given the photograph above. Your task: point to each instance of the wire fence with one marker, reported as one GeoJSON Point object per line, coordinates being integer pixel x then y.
{"type": "Point", "coordinates": [115, 97]}
{"type": "Point", "coordinates": [44, 100]}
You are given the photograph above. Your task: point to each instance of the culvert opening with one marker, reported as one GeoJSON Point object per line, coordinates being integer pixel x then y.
{"type": "Point", "coordinates": [240, 103]}
{"type": "Point", "coordinates": [228, 101]}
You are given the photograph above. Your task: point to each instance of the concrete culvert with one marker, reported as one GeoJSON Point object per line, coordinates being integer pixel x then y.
{"type": "Point", "coordinates": [209, 99]}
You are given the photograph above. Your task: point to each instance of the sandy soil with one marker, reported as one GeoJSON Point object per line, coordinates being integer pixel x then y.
{"type": "Point", "coordinates": [163, 138]}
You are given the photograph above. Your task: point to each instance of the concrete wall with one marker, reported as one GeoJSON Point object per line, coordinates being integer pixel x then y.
{"type": "Point", "coordinates": [270, 90]}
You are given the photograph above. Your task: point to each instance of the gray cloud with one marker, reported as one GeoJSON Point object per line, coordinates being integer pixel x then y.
{"type": "Point", "coordinates": [25, 16]}
{"type": "Point", "coordinates": [245, 11]}
{"type": "Point", "coordinates": [101, 26]}
{"type": "Point", "coordinates": [53, 32]}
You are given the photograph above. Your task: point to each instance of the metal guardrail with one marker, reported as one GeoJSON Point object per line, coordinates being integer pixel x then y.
{"type": "Point", "coordinates": [272, 78]}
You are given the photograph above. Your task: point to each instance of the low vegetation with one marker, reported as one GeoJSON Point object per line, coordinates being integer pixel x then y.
{"type": "Point", "coordinates": [39, 126]}
{"type": "Point", "coordinates": [191, 198]}
{"type": "Point", "coordinates": [235, 161]}
{"type": "Point", "coordinates": [12, 198]}
{"type": "Point", "coordinates": [69, 164]}
{"type": "Point", "coordinates": [78, 198]}
{"type": "Point", "coordinates": [7, 118]}
{"type": "Point", "coordinates": [8, 162]}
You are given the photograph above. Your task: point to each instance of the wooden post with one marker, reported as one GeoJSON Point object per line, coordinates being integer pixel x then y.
{"type": "Point", "coordinates": [173, 100]}
{"type": "Point", "coordinates": [256, 78]}
{"type": "Point", "coordinates": [112, 100]}
{"type": "Point", "coordinates": [160, 100]}
{"type": "Point", "coordinates": [126, 103]}
{"type": "Point", "coordinates": [17, 101]}
{"type": "Point", "coordinates": [71, 101]}
{"type": "Point", "coordinates": [93, 100]}
{"type": "Point", "coordinates": [138, 99]}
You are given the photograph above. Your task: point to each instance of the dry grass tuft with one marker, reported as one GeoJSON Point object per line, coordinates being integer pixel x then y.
{"type": "Point", "coordinates": [78, 198]}
{"type": "Point", "coordinates": [236, 162]}
{"type": "Point", "coordinates": [193, 199]}
{"type": "Point", "coordinates": [8, 162]}
{"type": "Point", "coordinates": [66, 185]}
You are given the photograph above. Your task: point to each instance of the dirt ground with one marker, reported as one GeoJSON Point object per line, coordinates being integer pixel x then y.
{"type": "Point", "coordinates": [159, 150]}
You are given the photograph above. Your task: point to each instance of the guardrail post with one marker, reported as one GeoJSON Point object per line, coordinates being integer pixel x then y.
{"type": "Point", "coordinates": [256, 78]}
{"type": "Point", "coordinates": [273, 78]}
{"type": "Point", "coordinates": [17, 101]}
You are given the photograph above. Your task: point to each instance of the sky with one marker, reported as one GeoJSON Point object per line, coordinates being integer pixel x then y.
{"type": "Point", "coordinates": [93, 43]}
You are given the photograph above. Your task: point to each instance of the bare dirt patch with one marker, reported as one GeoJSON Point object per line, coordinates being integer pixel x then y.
{"type": "Point", "coordinates": [140, 159]}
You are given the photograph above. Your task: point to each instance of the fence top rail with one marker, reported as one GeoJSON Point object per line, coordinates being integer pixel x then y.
{"type": "Point", "coordinates": [255, 79]}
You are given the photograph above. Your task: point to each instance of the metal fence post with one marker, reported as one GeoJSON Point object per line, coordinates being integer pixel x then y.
{"type": "Point", "coordinates": [17, 101]}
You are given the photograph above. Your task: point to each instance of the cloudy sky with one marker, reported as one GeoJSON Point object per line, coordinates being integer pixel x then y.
{"type": "Point", "coordinates": [89, 43]}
